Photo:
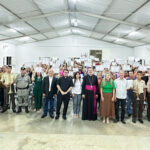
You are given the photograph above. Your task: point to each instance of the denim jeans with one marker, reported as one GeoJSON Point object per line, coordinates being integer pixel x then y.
{"type": "Point", "coordinates": [129, 104]}
{"type": "Point", "coordinates": [55, 102]}
{"type": "Point", "coordinates": [48, 106]}
{"type": "Point", "coordinates": [76, 103]}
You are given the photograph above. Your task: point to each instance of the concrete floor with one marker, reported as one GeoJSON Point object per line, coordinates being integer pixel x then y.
{"type": "Point", "coordinates": [30, 132]}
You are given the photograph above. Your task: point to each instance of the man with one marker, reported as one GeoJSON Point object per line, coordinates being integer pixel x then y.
{"type": "Point", "coordinates": [22, 84]}
{"type": "Point", "coordinates": [49, 90]}
{"type": "Point", "coordinates": [89, 95]}
{"type": "Point", "coordinates": [130, 93]}
{"type": "Point", "coordinates": [145, 77]}
{"type": "Point", "coordinates": [7, 80]}
{"type": "Point", "coordinates": [148, 96]}
{"type": "Point", "coordinates": [64, 86]}
{"type": "Point", "coordinates": [139, 97]}
{"type": "Point", "coordinates": [1, 89]}
{"type": "Point", "coordinates": [121, 95]}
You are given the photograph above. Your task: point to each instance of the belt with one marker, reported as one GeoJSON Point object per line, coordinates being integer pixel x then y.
{"type": "Point", "coordinates": [23, 88]}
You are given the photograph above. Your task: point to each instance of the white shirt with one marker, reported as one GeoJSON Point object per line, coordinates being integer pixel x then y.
{"type": "Point", "coordinates": [77, 87]}
{"type": "Point", "coordinates": [121, 88]}
{"type": "Point", "coordinates": [50, 83]}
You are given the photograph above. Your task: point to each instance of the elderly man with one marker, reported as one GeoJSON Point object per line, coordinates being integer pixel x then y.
{"type": "Point", "coordinates": [121, 95]}
{"type": "Point", "coordinates": [49, 90]}
{"type": "Point", "coordinates": [7, 80]}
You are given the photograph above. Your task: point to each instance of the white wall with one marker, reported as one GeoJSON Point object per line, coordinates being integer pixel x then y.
{"type": "Point", "coordinates": [142, 52]}
{"type": "Point", "coordinates": [69, 46]}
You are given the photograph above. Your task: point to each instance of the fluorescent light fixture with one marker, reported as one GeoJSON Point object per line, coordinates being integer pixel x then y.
{"type": "Point", "coordinates": [118, 40]}
{"type": "Point", "coordinates": [75, 30]}
{"type": "Point", "coordinates": [134, 33]}
{"type": "Point", "coordinates": [27, 38]}
{"type": "Point", "coordinates": [74, 22]}
{"type": "Point", "coordinates": [121, 41]}
{"type": "Point", "coordinates": [13, 30]}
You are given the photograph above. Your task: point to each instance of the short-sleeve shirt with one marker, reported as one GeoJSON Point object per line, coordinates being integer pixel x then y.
{"type": "Point", "coordinates": [65, 83]}
{"type": "Point", "coordinates": [8, 78]}
{"type": "Point", "coordinates": [108, 88]}
{"type": "Point", "coordinates": [140, 85]}
{"type": "Point", "coordinates": [22, 81]}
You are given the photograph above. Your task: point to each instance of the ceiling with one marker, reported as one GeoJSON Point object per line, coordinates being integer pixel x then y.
{"type": "Point", "coordinates": [122, 22]}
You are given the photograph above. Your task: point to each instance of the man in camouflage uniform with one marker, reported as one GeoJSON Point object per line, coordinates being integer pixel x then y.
{"type": "Point", "coordinates": [22, 86]}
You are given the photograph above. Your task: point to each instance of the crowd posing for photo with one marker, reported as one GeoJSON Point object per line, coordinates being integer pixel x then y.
{"type": "Point", "coordinates": [104, 93]}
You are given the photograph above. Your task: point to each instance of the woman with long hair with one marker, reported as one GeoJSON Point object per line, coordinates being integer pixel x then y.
{"type": "Point", "coordinates": [107, 108]}
{"type": "Point", "coordinates": [99, 80]}
{"type": "Point", "coordinates": [76, 94]}
{"type": "Point", "coordinates": [37, 91]}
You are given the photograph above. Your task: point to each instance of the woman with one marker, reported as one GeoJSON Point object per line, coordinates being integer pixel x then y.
{"type": "Point", "coordinates": [107, 109]}
{"type": "Point", "coordinates": [76, 94]}
{"type": "Point", "coordinates": [114, 76]}
{"type": "Point", "coordinates": [99, 79]}
{"type": "Point", "coordinates": [37, 91]}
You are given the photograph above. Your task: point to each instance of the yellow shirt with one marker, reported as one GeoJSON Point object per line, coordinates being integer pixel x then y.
{"type": "Point", "coordinates": [139, 86]}
{"type": "Point", "coordinates": [8, 78]}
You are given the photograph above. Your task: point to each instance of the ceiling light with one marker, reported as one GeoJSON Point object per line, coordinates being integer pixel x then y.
{"type": "Point", "coordinates": [13, 30]}
{"type": "Point", "coordinates": [24, 38]}
{"type": "Point", "coordinates": [118, 40]}
{"type": "Point", "coordinates": [133, 33]}
{"type": "Point", "coordinates": [75, 30]}
{"type": "Point", "coordinates": [74, 22]}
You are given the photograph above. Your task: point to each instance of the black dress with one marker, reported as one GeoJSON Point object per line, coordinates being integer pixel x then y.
{"type": "Point", "coordinates": [88, 111]}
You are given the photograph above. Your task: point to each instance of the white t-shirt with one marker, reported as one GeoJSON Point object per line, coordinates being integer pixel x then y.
{"type": "Point", "coordinates": [77, 87]}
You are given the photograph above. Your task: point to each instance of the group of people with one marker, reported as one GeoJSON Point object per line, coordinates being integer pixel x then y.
{"type": "Point", "coordinates": [101, 92]}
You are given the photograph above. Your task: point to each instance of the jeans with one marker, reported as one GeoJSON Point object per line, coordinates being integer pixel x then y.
{"type": "Point", "coordinates": [48, 103]}
{"type": "Point", "coordinates": [129, 104]}
{"type": "Point", "coordinates": [55, 102]}
{"type": "Point", "coordinates": [76, 103]}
